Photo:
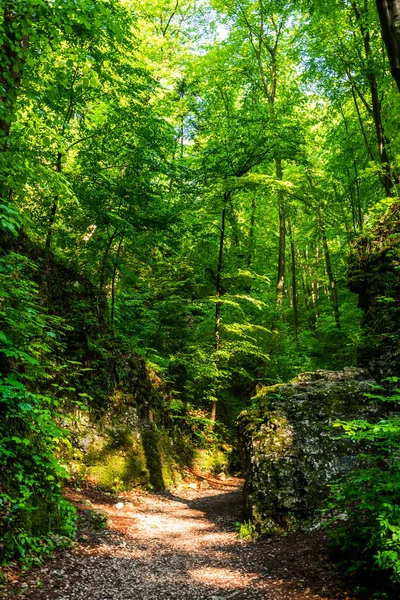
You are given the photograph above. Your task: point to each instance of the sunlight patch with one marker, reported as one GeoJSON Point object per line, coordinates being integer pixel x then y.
{"type": "Point", "coordinates": [224, 578]}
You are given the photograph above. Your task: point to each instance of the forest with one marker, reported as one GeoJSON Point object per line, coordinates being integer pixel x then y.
{"type": "Point", "coordinates": [192, 193]}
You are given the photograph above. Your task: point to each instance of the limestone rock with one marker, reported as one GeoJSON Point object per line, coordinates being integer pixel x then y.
{"type": "Point", "coordinates": [374, 275]}
{"type": "Point", "coordinates": [290, 450]}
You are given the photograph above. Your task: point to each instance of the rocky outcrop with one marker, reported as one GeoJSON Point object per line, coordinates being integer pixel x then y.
{"type": "Point", "coordinates": [289, 447]}
{"type": "Point", "coordinates": [374, 274]}
{"type": "Point", "coordinates": [288, 444]}
{"type": "Point", "coordinates": [120, 451]}
{"type": "Point", "coordinates": [126, 436]}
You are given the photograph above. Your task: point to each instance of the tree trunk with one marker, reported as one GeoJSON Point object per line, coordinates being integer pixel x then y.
{"type": "Point", "coordinates": [389, 15]}
{"type": "Point", "coordinates": [359, 207]}
{"type": "Point", "coordinates": [386, 176]}
{"type": "Point", "coordinates": [306, 294]}
{"type": "Point", "coordinates": [332, 283]}
{"type": "Point", "coordinates": [352, 201]}
{"type": "Point", "coordinates": [113, 281]}
{"type": "Point", "coordinates": [104, 260]}
{"type": "Point", "coordinates": [218, 293]}
{"type": "Point", "coordinates": [361, 124]}
{"type": "Point", "coordinates": [313, 287]}
{"type": "Point", "coordinates": [251, 232]}
{"type": "Point", "coordinates": [387, 180]}
{"type": "Point", "coordinates": [54, 207]}
{"type": "Point", "coordinates": [280, 286]}
{"type": "Point", "coordinates": [355, 198]}
{"type": "Point", "coordinates": [294, 285]}
{"type": "Point", "coordinates": [316, 281]}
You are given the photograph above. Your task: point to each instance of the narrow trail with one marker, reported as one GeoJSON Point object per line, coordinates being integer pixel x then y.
{"type": "Point", "coordinates": [182, 545]}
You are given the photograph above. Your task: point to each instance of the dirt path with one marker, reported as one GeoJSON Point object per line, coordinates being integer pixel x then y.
{"type": "Point", "coordinates": [182, 545]}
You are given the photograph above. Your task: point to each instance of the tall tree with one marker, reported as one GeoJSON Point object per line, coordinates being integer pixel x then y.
{"type": "Point", "coordinates": [389, 15]}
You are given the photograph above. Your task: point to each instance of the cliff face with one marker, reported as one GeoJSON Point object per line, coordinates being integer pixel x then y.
{"type": "Point", "coordinates": [374, 274]}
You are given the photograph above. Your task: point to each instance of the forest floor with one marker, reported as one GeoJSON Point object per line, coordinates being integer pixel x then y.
{"type": "Point", "coordinates": [181, 545]}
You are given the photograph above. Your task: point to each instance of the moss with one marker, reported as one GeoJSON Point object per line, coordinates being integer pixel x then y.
{"type": "Point", "coordinates": [213, 460]}
{"type": "Point", "coordinates": [161, 461]}
{"type": "Point", "coordinates": [109, 473]}
{"type": "Point", "coordinates": [110, 468]}
{"type": "Point", "coordinates": [120, 458]}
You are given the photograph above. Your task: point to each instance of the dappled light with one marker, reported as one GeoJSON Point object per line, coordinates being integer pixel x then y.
{"type": "Point", "coordinates": [199, 293]}
{"type": "Point", "coordinates": [184, 543]}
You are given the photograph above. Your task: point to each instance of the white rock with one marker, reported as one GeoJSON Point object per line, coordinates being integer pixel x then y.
{"type": "Point", "coordinates": [119, 505]}
{"type": "Point", "coordinates": [204, 485]}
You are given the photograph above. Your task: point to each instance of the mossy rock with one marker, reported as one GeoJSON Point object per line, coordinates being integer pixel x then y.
{"type": "Point", "coordinates": [374, 274]}
{"type": "Point", "coordinates": [115, 456]}
{"type": "Point", "coordinates": [289, 448]}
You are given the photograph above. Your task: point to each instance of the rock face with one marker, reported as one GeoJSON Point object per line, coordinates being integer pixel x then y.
{"type": "Point", "coordinates": [119, 451]}
{"type": "Point", "coordinates": [126, 438]}
{"type": "Point", "coordinates": [288, 449]}
{"type": "Point", "coordinates": [374, 274]}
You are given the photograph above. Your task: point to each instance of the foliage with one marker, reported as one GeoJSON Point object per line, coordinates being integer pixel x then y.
{"type": "Point", "coordinates": [246, 530]}
{"type": "Point", "coordinates": [32, 508]}
{"type": "Point", "coordinates": [198, 173]}
{"type": "Point", "coordinates": [366, 501]}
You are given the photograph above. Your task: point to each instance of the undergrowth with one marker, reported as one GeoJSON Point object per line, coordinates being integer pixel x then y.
{"type": "Point", "coordinates": [366, 502]}
{"type": "Point", "coordinates": [34, 517]}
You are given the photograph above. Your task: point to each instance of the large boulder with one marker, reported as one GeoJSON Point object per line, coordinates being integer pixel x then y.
{"type": "Point", "coordinates": [289, 447]}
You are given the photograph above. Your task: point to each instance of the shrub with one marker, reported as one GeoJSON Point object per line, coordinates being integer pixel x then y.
{"type": "Point", "coordinates": [32, 509]}
{"type": "Point", "coordinates": [366, 502]}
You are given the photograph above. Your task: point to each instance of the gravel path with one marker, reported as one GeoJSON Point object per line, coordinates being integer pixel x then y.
{"type": "Point", "coordinates": [182, 545]}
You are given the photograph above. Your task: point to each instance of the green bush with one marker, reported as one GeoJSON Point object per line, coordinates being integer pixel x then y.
{"type": "Point", "coordinates": [366, 502]}
{"type": "Point", "coordinates": [32, 510]}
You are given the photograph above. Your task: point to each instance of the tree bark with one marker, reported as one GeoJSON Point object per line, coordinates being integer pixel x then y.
{"type": "Point", "coordinates": [329, 271]}
{"type": "Point", "coordinates": [280, 286]}
{"type": "Point", "coordinates": [294, 284]}
{"type": "Point", "coordinates": [389, 16]}
{"type": "Point", "coordinates": [218, 292]}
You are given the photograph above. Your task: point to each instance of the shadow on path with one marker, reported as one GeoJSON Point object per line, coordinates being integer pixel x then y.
{"type": "Point", "coordinates": [183, 546]}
